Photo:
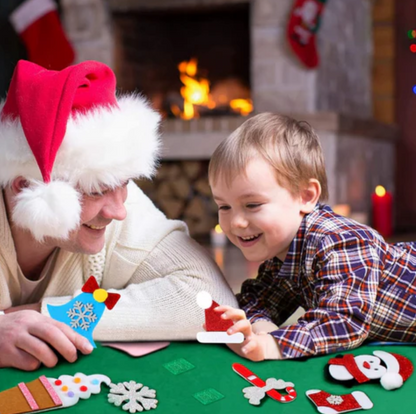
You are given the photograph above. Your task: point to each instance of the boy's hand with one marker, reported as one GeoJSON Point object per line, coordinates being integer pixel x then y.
{"type": "Point", "coordinates": [256, 346]}
{"type": "Point", "coordinates": [26, 339]}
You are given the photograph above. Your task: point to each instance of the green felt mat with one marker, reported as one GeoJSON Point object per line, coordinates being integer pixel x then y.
{"type": "Point", "coordinates": [211, 386]}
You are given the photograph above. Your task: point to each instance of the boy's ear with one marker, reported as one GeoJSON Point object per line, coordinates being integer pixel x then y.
{"type": "Point", "coordinates": [18, 184]}
{"type": "Point", "coordinates": [310, 195]}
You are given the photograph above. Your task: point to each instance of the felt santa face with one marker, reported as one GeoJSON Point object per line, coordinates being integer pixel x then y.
{"type": "Point", "coordinates": [391, 369]}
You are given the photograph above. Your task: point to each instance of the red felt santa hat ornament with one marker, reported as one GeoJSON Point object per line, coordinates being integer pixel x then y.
{"type": "Point", "coordinates": [67, 133]}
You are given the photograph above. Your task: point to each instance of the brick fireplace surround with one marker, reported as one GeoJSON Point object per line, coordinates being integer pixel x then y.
{"type": "Point", "coordinates": [335, 98]}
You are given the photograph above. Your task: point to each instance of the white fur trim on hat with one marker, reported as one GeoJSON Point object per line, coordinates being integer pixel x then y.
{"type": "Point", "coordinates": [47, 210]}
{"type": "Point", "coordinates": [103, 147]}
{"type": "Point", "coordinates": [391, 381]}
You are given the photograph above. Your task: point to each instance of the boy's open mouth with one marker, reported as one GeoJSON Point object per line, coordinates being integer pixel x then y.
{"type": "Point", "coordinates": [249, 239]}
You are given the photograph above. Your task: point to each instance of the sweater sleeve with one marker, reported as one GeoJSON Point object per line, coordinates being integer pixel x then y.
{"type": "Point", "coordinates": [159, 301]}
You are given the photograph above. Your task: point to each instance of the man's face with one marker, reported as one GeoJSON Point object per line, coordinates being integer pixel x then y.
{"type": "Point", "coordinates": [257, 214]}
{"type": "Point", "coordinates": [98, 211]}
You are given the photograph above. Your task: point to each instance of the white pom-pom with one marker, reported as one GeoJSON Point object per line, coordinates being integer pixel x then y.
{"type": "Point", "coordinates": [391, 381]}
{"type": "Point", "coordinates": [48, 210]}
{"type": "Point", "coordinates": [204, 300]}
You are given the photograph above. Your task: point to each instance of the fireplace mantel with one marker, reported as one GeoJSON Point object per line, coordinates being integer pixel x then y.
{"type": "Point", "coordinates": [359, 153]}
{"type": "Point", "coordinates": [198, 138]}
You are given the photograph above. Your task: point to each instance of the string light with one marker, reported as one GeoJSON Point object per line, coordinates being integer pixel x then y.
{"type": "Point", "coordinates": [411, 34]}
{"type": "Point", "coordinates": [413, 48]}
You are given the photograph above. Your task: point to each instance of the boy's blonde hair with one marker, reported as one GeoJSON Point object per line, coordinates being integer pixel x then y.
{"type": "Point", "coordinates": [291, 147]}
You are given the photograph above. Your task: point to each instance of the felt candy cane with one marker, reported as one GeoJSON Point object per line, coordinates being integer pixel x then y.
{"type": "Point", "coordinates": [270, 387]}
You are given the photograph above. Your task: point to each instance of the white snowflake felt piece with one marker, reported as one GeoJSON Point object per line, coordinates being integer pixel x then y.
{"type": "Point", "coordinates": [82, 315]}
{"type": "Point", "coordinates": [137, 396]}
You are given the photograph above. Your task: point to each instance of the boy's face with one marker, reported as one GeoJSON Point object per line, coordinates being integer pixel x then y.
{"type": "Point", "coordinates": [258, 215]}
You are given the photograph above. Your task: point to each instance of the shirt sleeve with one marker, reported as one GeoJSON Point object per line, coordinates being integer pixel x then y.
{"type": "Point", "coordinates": [159, 301]}
{"type": "Point", "coordinates": [267, 297]}
{"type": "Point", "coordinates": [344, 286]}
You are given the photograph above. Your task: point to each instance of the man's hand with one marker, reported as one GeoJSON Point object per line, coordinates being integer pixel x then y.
{"type": "Point", "coordinates": [257, 346]}
{"type": "Point", "coordinates": [26, 339]}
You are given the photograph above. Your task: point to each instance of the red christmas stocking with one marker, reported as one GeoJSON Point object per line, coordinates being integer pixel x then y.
{"type": "Point", "coordinates": [302, 28]}
{"type": "Point", "coordinates": [38, 25]}
{"type": "Point", "coordinates": [333, 404]}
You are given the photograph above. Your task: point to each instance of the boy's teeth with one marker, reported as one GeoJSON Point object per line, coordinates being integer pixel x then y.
{"type": "Point", "coordinates": [250, 237]}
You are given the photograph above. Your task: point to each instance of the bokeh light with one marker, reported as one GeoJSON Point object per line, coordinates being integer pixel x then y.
{"type": "Point", "coordinates": [411, 34]}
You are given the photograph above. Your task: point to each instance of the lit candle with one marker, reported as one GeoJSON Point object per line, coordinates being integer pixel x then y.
{"type": "Point", "coordinates": [218, 237]}
{"type": "Point", "coordinates": [382, 203]}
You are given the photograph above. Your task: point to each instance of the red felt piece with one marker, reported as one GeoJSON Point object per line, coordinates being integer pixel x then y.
{"type": "Point", "coordinates": [213, 321]}
{"type": "Point", "coordinates": [111, 300]}
{"type": "Point", "coordinates": [349, 363]}
{"type": "Point", "coordinates": [91, 285]}
{"type": "Point", "coordinates": [406, 367]}
{"type": "Point", "coordinates": [348, 403]}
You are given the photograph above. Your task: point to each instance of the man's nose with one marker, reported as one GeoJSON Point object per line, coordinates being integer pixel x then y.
{"type": "Point", "coordinates": [114, 208]}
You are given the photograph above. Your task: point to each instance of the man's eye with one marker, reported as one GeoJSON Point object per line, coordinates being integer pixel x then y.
{"type": "Point", "coordinates": [98, 194]}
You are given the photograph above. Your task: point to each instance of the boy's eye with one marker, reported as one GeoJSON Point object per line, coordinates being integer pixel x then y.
{"type": "Point", "coordinates": [223, 207]}
{"type": "Point", "coordinates": [253, 205]}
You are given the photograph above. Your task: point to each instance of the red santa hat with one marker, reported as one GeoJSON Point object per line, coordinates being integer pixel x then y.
{"type": "Point", "coordinates": [216, 327]}
{"type": "Point", "coordinates": [66, 133]}
{"type": "Point", "coordinates": [398, 369]}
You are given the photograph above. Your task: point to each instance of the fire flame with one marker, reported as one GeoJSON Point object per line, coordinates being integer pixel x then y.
{"type": "Point", "coordinates": [196, 92]}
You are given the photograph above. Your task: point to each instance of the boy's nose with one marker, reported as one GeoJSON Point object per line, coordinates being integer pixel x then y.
{"type": "Point", "coordinates": [239, 221]}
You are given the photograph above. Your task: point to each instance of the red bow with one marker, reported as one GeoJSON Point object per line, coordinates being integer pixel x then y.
{"type": "Point", "coordinates": [91, 286]}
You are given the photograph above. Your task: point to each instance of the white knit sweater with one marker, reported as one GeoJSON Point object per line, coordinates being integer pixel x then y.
{"type": "Point", "coordinates": [150, 260]}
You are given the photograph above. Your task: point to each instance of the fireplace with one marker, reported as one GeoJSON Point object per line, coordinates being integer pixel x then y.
{"type": "Point", "coordinates": [196, 55]}
{"type": "Point", "coordinates": [241, 45]}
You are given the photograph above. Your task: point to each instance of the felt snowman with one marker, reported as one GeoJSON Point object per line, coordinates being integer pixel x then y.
{"type": "Point", "coordinates": [391, 369]}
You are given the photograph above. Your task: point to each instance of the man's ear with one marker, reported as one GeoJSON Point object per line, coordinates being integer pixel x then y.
{"type": "Point", "coordinates": [309, 195]}
{"type": "Point", "coordinates": [18, 184]}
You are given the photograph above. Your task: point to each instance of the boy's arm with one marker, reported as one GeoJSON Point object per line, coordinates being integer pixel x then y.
{"type": "Point", "coordinates": [343, 292]}
{"type": "Point", "coordinates": [268, 298]}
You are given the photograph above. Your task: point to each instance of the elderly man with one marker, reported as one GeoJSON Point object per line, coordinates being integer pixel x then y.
{"type": "Point", "coordinates": [68, 210]}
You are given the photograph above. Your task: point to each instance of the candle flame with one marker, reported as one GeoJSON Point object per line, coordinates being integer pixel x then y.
{"type": "Point", "coordinates": [380, 191]}
{"type": "Point", "coordinates": [218, 229]}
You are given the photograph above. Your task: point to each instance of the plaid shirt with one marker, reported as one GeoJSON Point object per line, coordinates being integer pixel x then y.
{"type": "Point", "coordinates": [353, 285]}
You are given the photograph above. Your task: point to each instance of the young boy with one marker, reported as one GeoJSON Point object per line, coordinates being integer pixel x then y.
{"type": "Point", "coordinates": [268, 179]}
